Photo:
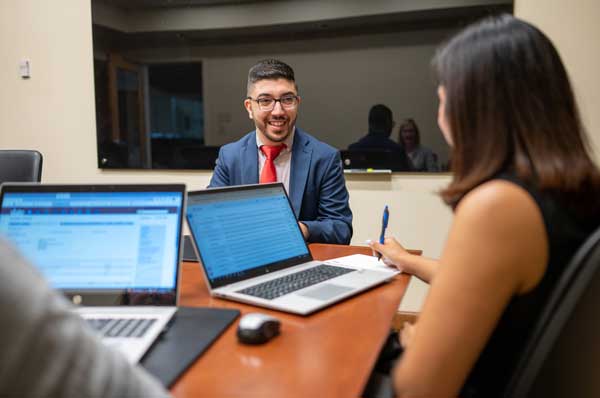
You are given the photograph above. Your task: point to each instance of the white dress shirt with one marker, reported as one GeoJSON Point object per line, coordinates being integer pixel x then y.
{"type": "Point", "coordinates": [282, 162]}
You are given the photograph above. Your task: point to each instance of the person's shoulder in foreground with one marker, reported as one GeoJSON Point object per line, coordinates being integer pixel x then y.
{"type": "Point", "coordinates": [48, 351]}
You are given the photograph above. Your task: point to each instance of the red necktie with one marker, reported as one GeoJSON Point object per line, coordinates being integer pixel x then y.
{"type": "Point", "coordinates": [268, 173]}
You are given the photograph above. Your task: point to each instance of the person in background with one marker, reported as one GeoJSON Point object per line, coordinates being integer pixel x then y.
{"type": "Point", "coordinates": [48, 351]}
{"type": "Point", "coordinates": [422, 158]}
{"type": "Point", "coordinates": [525, 195]}
{"type": "Point", "coordinates": [376, 149]}
{"type": "Point", "coordinates": [381, 123]}
{"type": "Point", "coordinates": [278, 151]}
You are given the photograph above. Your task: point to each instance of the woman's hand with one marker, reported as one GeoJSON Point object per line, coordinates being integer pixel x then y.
{"type": "Point", "coordinates": [393, 254]}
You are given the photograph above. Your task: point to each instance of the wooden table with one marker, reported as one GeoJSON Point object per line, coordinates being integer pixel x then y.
{"type": "Point", "coordinates": [327, 354]}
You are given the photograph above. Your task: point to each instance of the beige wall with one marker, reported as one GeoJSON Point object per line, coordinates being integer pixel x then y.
{"type": "Point", "coordinates": [54, 111]}
{"type": "Point", "coordinates": [574, 28]}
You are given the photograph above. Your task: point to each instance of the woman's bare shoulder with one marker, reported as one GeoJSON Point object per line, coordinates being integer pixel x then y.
{"type": "Point", "coordinates": [503, 217]}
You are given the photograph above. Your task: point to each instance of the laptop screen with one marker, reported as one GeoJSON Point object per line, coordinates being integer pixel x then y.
{"type": "Point", "coordinates": [101, 239]}
{"type": "Point", "coordinates": [241, 232]}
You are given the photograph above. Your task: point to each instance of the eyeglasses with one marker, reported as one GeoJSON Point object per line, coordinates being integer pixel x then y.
{"type": "Point", "coordinates": [268, 104]}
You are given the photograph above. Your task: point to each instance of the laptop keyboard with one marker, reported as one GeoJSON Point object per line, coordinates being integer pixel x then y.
{"type": "Point", "coordinates": [121, 327]}
{"type": "Point", "coordinates": [290, 283]}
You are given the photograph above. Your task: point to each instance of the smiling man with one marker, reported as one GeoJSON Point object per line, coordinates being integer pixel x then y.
{"type": "Point", "coordinates": [278, 151]}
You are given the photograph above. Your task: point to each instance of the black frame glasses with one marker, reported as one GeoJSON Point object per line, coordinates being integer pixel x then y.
{"type": "Point", "coordinates": [288, 101]}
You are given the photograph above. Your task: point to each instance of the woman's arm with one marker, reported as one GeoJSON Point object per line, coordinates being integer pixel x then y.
{"type": "Point", "coordinates": [497, 248]}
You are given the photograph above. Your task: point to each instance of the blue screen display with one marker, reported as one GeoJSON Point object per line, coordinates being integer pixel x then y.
{"type": "Point", "coordinates": [239, 230]}
{"type": "Point", "coordinates": [100, 240]}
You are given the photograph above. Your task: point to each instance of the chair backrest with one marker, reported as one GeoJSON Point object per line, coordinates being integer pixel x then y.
{"type": "Point", "coordinates": [20, 166]}
{"type": "Point", "coordinates": [562, 358]}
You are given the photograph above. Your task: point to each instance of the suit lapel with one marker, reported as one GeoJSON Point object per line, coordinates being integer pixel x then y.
{"type": "Point", "coordinates": [301, 156]}
{"type": "Point", "coordinates": [249, 161]}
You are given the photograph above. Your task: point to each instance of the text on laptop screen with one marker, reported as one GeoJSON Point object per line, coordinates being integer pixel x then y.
{"type": "Point", "coordinates": [238, 230]}
{"type": "Point", "coordinates": [97, 240]}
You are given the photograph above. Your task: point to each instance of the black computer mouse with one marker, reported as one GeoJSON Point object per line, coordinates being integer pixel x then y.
{"type": "Point", "coordinates": [256, 328]}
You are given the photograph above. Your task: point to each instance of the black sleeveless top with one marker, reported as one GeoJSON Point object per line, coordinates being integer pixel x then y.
{"type": "Point", "coordinates": [566, 232]}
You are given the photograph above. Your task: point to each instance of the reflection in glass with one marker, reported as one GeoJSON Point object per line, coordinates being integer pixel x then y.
{"type": "Point", "coordinates": [376, 150]}
{"type": "Point", "coordinates": [129, 129]}
{"type": "Point", "coordinates": [164, 129]}
{"type": "Point", "coordinates": [170, 78]}
{"type": "Point", "coordinates": [421, 157]}
{"type": "Point", "coordinates": [176, 115]}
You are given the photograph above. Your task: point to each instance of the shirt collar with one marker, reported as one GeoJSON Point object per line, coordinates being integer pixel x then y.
{"type": "Point", "coordinates": [288, 141]}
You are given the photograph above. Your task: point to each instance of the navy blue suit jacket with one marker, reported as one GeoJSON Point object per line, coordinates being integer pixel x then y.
{"type": "Point", "coordinates": [317, 187]}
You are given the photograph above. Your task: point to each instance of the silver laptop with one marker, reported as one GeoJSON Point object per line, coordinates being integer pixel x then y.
{"type": "Point", "coordinates": [112, 249]}
{"type": "Point", "coordinates": [252, 250]}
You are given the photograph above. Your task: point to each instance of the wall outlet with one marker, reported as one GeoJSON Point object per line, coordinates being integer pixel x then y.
{"type": "Point", "coordinates": [25, 69]}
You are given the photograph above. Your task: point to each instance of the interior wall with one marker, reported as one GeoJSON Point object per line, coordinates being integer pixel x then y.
{"type": "Point", "coordinates": [53, 112]}
{"type": "Point", "coordinates": [574, 29]}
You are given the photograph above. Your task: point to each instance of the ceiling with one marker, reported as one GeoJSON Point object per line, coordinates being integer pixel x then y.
{"type": "Point", "coordinates": [393, 22]}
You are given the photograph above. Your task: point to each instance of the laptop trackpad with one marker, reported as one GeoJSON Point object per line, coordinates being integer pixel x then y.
{"type": "Point", "coordinates": [325, 291]}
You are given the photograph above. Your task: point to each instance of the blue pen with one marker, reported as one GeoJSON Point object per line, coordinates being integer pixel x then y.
{"type": "Point", "coordinates": [384, 223]}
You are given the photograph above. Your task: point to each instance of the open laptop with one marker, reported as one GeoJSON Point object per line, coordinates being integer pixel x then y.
{"type": "Point", "coordinates": [112, 249]}
{"type": "Point", "coordinates": [252, 250]}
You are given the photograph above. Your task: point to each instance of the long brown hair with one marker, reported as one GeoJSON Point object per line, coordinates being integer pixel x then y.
{"type": "Point", "coordinates": [510, 107]}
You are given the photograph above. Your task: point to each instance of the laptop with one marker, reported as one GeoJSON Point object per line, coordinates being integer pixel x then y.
{"type": "Point", "coordinates": [252, 250]}
{"type": "Point", "coordinates": [113, 250]}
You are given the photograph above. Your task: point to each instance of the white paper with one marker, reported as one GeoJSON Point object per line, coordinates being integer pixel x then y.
{"type": "Point", "coordinates": [362, 261]}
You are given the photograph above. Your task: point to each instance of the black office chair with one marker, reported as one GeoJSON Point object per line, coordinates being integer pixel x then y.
{"type": "Point", "coordinates": [562, 359]}
{"type": "Point", "coordinates": [20, 166]}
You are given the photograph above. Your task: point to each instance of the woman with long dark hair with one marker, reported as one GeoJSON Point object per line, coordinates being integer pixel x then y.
{"type": "Point", "coordinates": [524, 194]}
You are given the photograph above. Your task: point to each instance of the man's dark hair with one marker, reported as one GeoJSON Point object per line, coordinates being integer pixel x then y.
{"type": "Point", "coordinates": [380, 119]}
{"type": "Point", "coordinates": [270, 69]}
